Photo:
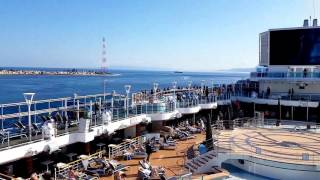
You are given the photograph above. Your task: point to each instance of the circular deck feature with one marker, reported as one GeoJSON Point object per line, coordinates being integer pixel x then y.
{"type": "Point", "coordinates": [272, 144]}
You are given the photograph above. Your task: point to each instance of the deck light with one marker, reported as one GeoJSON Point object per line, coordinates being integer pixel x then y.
{"type": "Point", "coordinates": [174, 86]}
{"type": "Point", "coordinates": [155, 88]}
{"type": "Point", "coordinates": [127, 88]}
{"type": "Point", "coordinates": [29, 99]}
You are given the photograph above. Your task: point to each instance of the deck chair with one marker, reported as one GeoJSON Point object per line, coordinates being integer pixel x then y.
{"type": "Point", "coordinates": [104, 170]}
{"type": "Point", "coordinates": [22, 128]}
{"type": "Point", "coordinates": [60, 124]}
{"type": "Point", "coordinates": [19, 125]}
{"type": "Point", "coordinates": [163, 177]}
{"type": "Point", "coordinates": [115, 166]}
{"type": "Point", "coordinates": [70, 122]}
{"type": "Point", "coordinates": [137, 152]}
{"type": "Point", "coordinates": [193, 130]}
{"type": "Point", "coordinates": [44, 118]}
{"type": "Point", "coordinates": [166, 146]}
{"type": "Point", "coordinates": [10, 134]}
{"type": "Point", "coordinates": [145, 165]}
{"type": "Point", "coordinates": [36, 129]}
{"type": "Point", "coordinates": [144, 174]}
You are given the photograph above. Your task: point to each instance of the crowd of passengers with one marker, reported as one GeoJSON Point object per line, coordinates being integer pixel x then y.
{"type": "Point", "coordinates": [183, 93]}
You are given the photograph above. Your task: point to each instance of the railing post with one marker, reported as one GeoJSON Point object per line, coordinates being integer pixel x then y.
{"type": "Point", "coordinates": [8, 140]}
{"type": "Point", "coordinates": [78, 109]}
{"type": "Point", "coordinates": [100, 106]}
{"type": "Point", "coordinates": [2, 117]}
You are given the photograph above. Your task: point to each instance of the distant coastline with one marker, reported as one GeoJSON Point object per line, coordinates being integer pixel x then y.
{"type": "Point", "coordinates": [71, 72]}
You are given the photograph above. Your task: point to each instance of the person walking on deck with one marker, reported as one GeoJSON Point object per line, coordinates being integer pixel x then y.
{"type": "Point", "coordinates": [148, 150]}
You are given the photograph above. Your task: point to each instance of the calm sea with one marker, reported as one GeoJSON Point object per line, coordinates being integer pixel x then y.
{"type": "Point", "coordinates": [12, 87]}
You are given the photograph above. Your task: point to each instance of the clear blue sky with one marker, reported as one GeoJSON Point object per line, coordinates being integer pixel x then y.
{"type": "Point", "coordinates": [194, 35]}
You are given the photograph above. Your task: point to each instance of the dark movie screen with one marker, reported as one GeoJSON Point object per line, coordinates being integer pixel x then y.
{"type": "Point", "coordinates": [295, 47]}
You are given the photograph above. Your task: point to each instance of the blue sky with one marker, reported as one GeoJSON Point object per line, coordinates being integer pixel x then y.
{"type": "Point", "coordinates": [193, 35]}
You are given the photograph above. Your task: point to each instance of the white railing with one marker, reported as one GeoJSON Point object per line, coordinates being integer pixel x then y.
{"type": "Point", "coordinates": [118, 149]}
{"type": "Point", "coordinates": [62, 172]}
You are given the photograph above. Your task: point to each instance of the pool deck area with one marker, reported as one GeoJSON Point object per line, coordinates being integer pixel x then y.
{"type": "Point", "coordinates": [286, 146]}
{"type": "Point", "coordinates": [171, 160]}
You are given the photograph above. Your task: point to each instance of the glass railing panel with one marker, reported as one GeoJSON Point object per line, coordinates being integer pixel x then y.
{"type": "Point", "coordinates": [285, 75]}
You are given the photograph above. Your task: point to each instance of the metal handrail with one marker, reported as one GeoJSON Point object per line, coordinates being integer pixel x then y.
{"type": "Point", "coordinates": [117, 150]}
{"type": "Point", "coordinates": [75, 164]}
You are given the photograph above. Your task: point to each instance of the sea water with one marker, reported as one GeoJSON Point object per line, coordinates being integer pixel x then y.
{"type": "Point", "coordinates": [53, 86]}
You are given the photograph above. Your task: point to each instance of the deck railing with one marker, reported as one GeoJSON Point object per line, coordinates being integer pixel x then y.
{"type": "Point", "coordinates": [62, 172]}
{"type": "Point", "coordinates": [14, 117]}
{"type": "Point", "coordinates": [277, 96]}
{"type": "Point", "coordinates": [6, 177]}
{"type": "Point", "coordinates": [283, 75]}
{"type": "Point", "coordinates": [118, 149]}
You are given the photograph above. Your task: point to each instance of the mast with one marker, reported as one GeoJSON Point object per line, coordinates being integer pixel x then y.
{"type": "Point", "coordinates": [104, 57]}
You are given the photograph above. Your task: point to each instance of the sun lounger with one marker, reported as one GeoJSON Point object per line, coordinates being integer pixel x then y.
{"type": "Point", "coordinates": [99, 167]}
{"type": "Point", "coordinates": [20, 126]}
{"type": "Point", "coordinates": [69, 122]}
{"type": "Point", "coordinates": [166, 146]}
{"type": "Point", "coordinates": [145, 165]}
{"type": "Point", "coordinates": [144, 174]}
{"type": "Point", "coordinates": [36, 129]}
{"type": "Point", "coordinates": [10, 134]}
{"type": "Point", "coordinates": [115, 166]}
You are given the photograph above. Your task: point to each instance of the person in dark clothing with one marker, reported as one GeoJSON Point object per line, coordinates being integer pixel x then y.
{"type": "Point", "coordinates": [268, 92]}
{"type": "Point", "coordinates": [207, 92]}
{"type": "Point", "coordinates": [148, 150]}
{"type": "Point", "coordinates": [305, 73]}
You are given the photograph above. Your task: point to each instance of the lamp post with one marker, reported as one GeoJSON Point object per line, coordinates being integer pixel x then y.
{"type": "Point", "coordinates": [127, 88]}
{"type": "Point", "coordinates": [174, 86]}
{"type": "Point", "coordinates": [155, 88]}
{"type": "Point", "coordinates": [29, 98]}
{"type": "Point", "coordinates": [78, 105]}
{"type": "Point", "coordinates": [113, 94]}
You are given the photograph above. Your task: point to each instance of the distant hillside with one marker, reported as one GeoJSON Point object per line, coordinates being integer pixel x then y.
{"type": "Point", "coordinates": [238, 70]}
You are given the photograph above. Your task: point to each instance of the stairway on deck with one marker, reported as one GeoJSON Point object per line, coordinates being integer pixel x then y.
{"type": "Point", "coordinates": [202, 163]}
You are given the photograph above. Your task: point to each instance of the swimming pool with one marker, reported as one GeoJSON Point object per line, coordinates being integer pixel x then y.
{"type": "Point", "coordinates": [239, 174]}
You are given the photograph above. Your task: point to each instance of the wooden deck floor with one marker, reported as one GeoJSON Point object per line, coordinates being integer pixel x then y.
{"type": "Point", "coordinates": [171, 160]}
{"type": "Point", "coordinates": [274, 144]}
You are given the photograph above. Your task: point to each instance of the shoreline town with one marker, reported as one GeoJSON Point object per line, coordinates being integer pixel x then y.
{"type": "Point", "coordinates": [71, 72]}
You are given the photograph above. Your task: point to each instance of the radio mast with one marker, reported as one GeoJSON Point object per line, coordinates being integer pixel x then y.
{"type": "Point", "coordinates": [104, 57]}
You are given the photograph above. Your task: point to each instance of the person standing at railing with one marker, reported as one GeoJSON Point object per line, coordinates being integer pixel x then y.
{"type": "Point", "coordinates": [305, 72]}
{"type": "Point", "coordinates": [268, 92]}
{"type": "Point", "coordinates": [289, 94]}
{"type": "Point", "coordinates": [207, 92]}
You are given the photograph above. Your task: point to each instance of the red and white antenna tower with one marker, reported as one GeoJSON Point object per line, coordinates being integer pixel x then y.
{"type": "Point", "coordinates": [104, 57]}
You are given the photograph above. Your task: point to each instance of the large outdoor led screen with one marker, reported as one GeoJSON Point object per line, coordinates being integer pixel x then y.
{"type": "Point", "coordinates": [295, 47]}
